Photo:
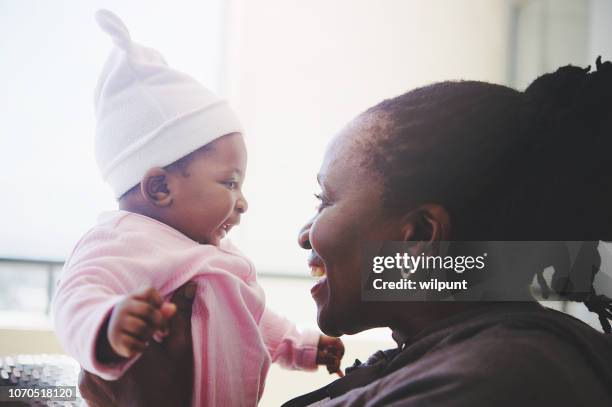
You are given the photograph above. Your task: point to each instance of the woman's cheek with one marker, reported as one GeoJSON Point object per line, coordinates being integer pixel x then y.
{"type": "Point", "coordinates": [330, 243]}
{"type": "Point", "coordinates": [324, 237]}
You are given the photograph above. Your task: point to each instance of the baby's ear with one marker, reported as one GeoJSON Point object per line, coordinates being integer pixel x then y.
{"type": "Point", "coordinates": [154, 187]}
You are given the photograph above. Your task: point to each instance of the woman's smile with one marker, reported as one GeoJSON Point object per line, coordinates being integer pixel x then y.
{"type": "Point", "coordinates": [319, 285]}
{"type": "Point", "coordinates": [317, 269]}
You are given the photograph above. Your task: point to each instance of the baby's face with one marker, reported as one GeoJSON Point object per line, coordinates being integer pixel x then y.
{"type": "Point", "coordinates": [207, 199]}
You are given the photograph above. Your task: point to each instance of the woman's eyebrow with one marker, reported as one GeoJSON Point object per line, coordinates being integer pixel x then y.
{"type": "Point", "coordinates": [324, 187]}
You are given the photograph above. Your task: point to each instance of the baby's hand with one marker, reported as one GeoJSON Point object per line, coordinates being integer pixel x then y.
{"type": "Point", "coordinates": [329, 353]}
{"type": "Point", "coordinates": [135, 319]}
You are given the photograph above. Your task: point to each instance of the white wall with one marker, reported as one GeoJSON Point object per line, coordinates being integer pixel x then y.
{"type": "Point", "coordinates": [554, 33]}
{"type": "Point", "coordinates": [600, 30]}
{"type": "Point", "coordinates": [549, 34]}
{"type": "Point", "coordinates": [298, 71]}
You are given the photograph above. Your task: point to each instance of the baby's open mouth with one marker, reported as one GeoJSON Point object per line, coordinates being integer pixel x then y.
{"type": "Point", "coordinates": [224, 230]}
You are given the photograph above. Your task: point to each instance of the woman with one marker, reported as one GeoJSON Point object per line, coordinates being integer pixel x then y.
{"type": "Point", "coordinates": [464, 161]}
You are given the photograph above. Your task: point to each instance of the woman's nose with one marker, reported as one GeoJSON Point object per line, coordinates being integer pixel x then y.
{"type": "Point", "coordinates": [304, 236]}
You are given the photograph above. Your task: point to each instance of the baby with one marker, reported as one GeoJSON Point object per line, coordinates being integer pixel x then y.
{"type": "Point", "coordinates": [175, 157]}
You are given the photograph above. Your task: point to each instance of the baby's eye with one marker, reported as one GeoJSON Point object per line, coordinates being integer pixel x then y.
{"type": "Point", "coordinates": [230, 184]}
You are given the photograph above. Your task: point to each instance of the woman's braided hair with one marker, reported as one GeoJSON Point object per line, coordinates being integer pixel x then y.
{"type": "Point", "coordinates": [510, 165]}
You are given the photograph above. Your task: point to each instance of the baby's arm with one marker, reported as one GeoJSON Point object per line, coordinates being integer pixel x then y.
{"type": "Point", "coordinates": [295, 350]}
{"type": "Point", "coordinates": [85, 298]}
{"type": "Point", "coordinates": [132, 323]}
{"type": "Point", "coordinates": [98, 278]}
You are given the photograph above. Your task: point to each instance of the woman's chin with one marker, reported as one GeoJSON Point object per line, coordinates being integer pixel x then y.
{"type": "Point", "coordinates": [332, 316]}
{"type": "Point", "coordinates": [337, 320]}
{"type": "Point", "coordinates": [328, 320]}
{"type": "Point", "coordinates": [328, 327]}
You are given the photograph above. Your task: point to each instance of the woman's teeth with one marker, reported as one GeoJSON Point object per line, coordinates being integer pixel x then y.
{"type": "Point", "coordinates": [317, 271]}
{"type": "Point", "coordinates": [320, 274]}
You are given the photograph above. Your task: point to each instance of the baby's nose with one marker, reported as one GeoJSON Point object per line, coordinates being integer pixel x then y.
{"type": "Point", "coordinates": [242, 205]}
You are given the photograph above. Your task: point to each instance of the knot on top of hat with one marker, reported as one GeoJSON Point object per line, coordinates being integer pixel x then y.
{"type": "Point", "coordinates": [113, 26]}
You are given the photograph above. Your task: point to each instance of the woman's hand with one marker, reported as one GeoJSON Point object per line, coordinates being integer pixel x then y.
{"type": "Point", "coordinates": [163, 376]}
{"type": "Point", "coordinates": [329, 353]}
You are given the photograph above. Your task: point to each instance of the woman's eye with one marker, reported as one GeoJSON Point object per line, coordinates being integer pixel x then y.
{"type": "Point", "coordinates": [323, 201]}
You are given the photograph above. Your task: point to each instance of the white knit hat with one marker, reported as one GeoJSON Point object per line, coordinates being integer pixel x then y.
{"type": "Point", "coordinates": [149, 114]}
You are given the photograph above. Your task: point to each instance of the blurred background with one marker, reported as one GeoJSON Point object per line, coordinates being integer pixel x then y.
{"type": "Point", "coordinates": [295, 71]}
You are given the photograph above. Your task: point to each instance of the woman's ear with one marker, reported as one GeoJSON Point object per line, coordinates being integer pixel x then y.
{"type": "Point", "coordinates": [427, 223]}
{"type": "Point", "coordinates": [154, 187]}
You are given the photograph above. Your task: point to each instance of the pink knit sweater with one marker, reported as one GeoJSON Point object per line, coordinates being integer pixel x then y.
{"type": "Point", "coordinates": [235, 337]}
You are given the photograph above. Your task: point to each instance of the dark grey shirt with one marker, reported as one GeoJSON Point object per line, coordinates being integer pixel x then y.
{"type": "Point", "coordinates": [508, 355]}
